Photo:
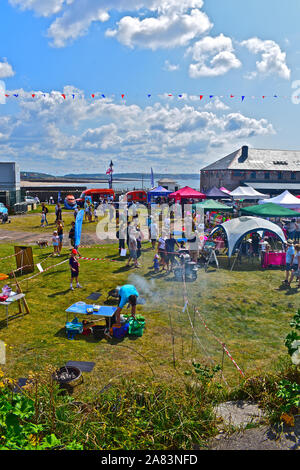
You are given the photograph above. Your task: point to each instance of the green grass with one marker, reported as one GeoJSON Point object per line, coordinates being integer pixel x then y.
{"type": "Point", "coordinates": [246, 309]}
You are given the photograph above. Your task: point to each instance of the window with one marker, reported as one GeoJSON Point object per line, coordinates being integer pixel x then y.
{"type": "Point", "coordinates": [293, 175]}
{"type": "Point", "coordinates": [253, 175]}
{"type": "Point", "coordinates": [279, 175]}
{"type": "Point", "coordinates": [267, 176]}
{"type": "Point", "coordinates": [237, 173]}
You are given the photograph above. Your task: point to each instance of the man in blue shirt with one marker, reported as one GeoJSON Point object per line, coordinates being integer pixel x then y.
{"type": "Point", "coordinates": [127, 294]}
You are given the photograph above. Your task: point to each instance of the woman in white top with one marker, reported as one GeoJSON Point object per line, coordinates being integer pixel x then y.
{"type": "Point", "coordinates": [161, 249]}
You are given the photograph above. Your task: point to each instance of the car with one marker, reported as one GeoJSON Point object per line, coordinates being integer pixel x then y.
{"type": "Point", "coordinates": [95, 194]}
{"type": "Point", "coordinates": [30, 200]}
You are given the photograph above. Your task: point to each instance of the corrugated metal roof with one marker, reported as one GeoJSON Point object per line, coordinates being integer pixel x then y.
{"type": "Point", "coordinates": [282, 186]}
{"type": "Point", "coordinates": [259, 159]}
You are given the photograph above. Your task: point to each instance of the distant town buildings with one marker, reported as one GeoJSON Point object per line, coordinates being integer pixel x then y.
{"type": "Point", "coordinates": [267, 171]}
{"type": "Point", "coordinates": [169, 184]}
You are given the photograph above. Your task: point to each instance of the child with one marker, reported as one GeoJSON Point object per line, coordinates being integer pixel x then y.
{"type": "Point", "coordinates": [156, 263]}
{"type": "Point", "coordinates": [43, 219]}
{"type": "Point", "coordinates": [74, 266]}
{"type": "Point", "coordinates": [96, 214]}
{"type": "Point", "coordinates": [55, 242]}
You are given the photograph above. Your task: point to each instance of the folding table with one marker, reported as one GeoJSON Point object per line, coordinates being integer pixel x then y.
{"type": "Point", "coordinates": [80, 308]}
{"type": "Point", "coordinates": [14, 298]}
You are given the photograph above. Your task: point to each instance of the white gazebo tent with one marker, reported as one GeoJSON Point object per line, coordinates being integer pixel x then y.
{"type": "Point", "coordinates": [246, 192]}
{"type": "Point", "coordinates": [236, 229]}
{"type": "Point", "coordinates": [285, 199]}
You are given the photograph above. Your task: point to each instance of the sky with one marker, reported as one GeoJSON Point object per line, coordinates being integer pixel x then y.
{"type": "Point", "coordinates": [90, 81]}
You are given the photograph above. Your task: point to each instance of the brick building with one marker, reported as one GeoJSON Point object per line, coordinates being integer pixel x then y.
{"type": "Point", "coordinates": [267, 171]}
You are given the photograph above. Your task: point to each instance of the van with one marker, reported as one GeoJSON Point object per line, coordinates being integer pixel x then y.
{"type": "Point", "coordinates": [136, 196]}
{"type": "Point", "coordinates": [95, 194]}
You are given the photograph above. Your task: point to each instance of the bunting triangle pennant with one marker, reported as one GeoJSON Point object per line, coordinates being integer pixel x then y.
{"type": "Point", "coordinates": [201, 96]}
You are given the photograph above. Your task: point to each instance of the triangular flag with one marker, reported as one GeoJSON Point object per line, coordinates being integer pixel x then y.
{"type": "Point", "coordinates": [93, 96]}
{"type": "Point", "coordinates": [275, 96]}
{"type": "Point", "coordinates": [16, 96]}
{"type": "Point", "coordinates": [7, 96]}
{"type": "Point", "coordinates": [149, 96]}
{"type": "Point", "coordinates": [122, 96]}
{"type": "Point", "coordinates": [170, 94]}
{"type": "Point", "coordinates": [33, 95]}
{"type": "Point", "coordinates": [211, 96]}
{"type": "Point", "coordinates": [73, 96]}
{"type": "Point", "coordinates": [231, 96]}
{"type": "Point", "coordinates": [63, 95]}
{"type": "Point", "coordinates": [243, 98]}
{"type": "Point", "coordinates": [201, 96]}
{"type": "Point", "coordinates": [180, 96]}
{"type": "Point", "coordinates": [103, 96]}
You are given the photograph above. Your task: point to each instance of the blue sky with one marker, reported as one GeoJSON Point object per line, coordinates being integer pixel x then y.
{"type": "Point", "coordinates": [156, 47]}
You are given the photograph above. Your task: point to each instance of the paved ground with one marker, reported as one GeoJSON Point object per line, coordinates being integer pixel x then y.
{"type": "Point", "coordinates": [261, 437]}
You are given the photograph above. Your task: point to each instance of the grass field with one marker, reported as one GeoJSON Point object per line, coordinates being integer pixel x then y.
{"type": "Point", "coordinates": [247, 309]}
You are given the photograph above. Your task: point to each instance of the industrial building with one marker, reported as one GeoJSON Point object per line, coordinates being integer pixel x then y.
{"type": "Point", "coordinates": [267, 171]}
{"type": "Point", "coordinates": [10, 188]}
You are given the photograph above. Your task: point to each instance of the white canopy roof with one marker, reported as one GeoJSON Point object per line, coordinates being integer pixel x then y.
{"type": "Point", "coordinates": [285, 199]}
{"type": "Point", "coordinates": [246, 192]}
{"type": "Point", "coordinates": [237, 229]}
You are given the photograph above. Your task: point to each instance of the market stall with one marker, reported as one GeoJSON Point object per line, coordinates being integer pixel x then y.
{"type": "Point", "coordinates": [186, 193]}
{"type": "Point", "coordinates": [160, 191]}
{"type": "Point", "coordinates": [246, 192]}
{"type": "Point", "coordinates": [236, 229]}
{"type": "Point", "coordinates": [269, 209]}
{"type": "Point", "coordinates": [285, 199]}
{"type": "Point", "coordinates": [215, 193]}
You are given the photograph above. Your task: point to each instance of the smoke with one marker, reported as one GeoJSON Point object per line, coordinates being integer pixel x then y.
{"type": "Point", "coordinates": [149, 290]}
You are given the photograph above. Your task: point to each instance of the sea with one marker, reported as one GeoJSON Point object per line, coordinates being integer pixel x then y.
{"type": "Point", "coordinates": [130, 185]}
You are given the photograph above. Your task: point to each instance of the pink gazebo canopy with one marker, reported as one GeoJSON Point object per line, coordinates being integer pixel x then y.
{"type": "Point", "coordinates": [186, 193]}
{"type": "Point", "coordinates": [224, 190]}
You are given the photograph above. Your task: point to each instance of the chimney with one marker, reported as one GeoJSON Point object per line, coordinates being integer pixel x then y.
{"type": "Point", "coordinates": [244, 154]}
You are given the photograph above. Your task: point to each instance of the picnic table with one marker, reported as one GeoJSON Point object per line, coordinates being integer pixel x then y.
{"type": "Point", "coordinates": [10, 300]}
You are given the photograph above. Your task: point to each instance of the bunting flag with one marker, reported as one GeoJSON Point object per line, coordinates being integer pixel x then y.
{"type": "Point", "coordinates": [95, 95]}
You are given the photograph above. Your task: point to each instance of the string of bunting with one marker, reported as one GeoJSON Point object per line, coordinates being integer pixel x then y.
{"type": "Point", "coordinates": [186, 301]}
{"type": "Point", "coordinates": [222, 344]}
{"type": "Point", "coordinates": [123, 96]}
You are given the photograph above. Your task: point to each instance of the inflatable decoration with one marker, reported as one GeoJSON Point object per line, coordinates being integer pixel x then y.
{"type": "Point", "coordinates": [70, 202]}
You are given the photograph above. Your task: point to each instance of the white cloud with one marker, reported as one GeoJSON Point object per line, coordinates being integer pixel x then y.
{"type": "Point", "coordinates": [165, 31]}
{"type": "Point", "coordinates": [273, 60]}
{"type": "Point", "coordinates": [50, 132]}
{"type": "Point", "coordinates": [6, 69]}
{"type": "Point", "coordinates": [167, 23]}
{"type": "Point", "coordinates": [170, 67]}
{"type": "Point", "coordinates": [212, 56]}
{"type": "Point", "coordinates": [41, 7]}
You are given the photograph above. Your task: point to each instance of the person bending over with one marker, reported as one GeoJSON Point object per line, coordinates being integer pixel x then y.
{"type": "Point", "coordinates": [127, 294]}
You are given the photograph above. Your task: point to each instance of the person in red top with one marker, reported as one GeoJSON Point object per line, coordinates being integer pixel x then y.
{"type": "Point", "coordinates": [74, 266]}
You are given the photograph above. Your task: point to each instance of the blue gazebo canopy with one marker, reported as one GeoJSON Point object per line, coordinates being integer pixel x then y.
{"type": "Point", "coordinates": [158, 192]}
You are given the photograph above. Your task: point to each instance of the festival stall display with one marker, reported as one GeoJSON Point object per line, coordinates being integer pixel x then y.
{"type": "Point", "coordinates": [269, 209]}
{"type": "Point", "coordinates": [236, 229]}
{"type": "Point", "coordinates": [246, 192]}
{"type": "Point", "coordinates": [186, 193]}
{"type": "Point", "coordinates": [285, 199]}
{"type": "Point", "coordinates": [215, 193]}
{"type": "Point", "coordinates": [160, 191]}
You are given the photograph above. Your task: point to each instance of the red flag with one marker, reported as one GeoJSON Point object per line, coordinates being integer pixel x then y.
{"type": "Point", "coordinates": [122, 96]}
{"type": "Point", "coordinates": [33, 95]}
{"type": "Point", "coordinates": [231, 96]}
{"type": "Point", "coordinates": [201, 96]}
{"type": "Point", "coordinates": [63, 95]}
{"type": "Point", "coordinates": [93, 96]}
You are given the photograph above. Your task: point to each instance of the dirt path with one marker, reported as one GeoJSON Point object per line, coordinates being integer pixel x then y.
{"type": "Point", "coordinates": [7, 236]}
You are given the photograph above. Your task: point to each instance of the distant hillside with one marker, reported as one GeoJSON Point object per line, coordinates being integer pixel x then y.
{"type": "Point", "coordinates": [31, 175]}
